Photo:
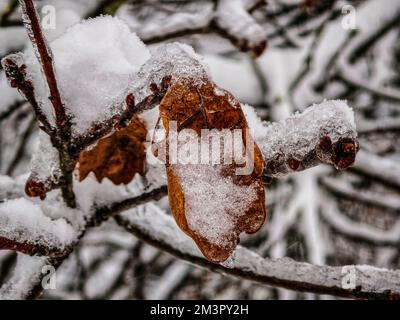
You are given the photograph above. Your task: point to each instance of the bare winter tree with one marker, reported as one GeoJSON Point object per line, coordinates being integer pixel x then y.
{"type": "Point", "coordinates": [76, 93]}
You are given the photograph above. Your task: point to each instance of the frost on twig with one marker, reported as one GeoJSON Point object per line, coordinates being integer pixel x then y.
{"type": "Point", "coordinates": [46, 174]}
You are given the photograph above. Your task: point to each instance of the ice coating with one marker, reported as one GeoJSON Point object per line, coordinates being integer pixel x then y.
{"type": "Point", "coordinates": [174, 59]}
{"type": "Point", "coordinates": [213, 203]}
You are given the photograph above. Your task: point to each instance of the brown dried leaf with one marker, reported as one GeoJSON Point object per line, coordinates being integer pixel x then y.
{"type": "Point", "coordinates": [117, 157]}
{"type": "Point", "coordinates": [204, 106]}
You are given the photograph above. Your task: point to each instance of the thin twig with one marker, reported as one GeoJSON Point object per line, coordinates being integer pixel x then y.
{"type": "Point", "coordinates": [32, 24]}
{"type": "Point", "coordinates": [15, 70]}
{"type": "Point", "coordinates": [62, 140]}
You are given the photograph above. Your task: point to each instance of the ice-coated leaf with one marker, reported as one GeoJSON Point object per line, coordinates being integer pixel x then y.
{"type": "Point", "coordinates": [211, 201]}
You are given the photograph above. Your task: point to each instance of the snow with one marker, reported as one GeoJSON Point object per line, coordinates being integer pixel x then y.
{"type": "Point", "coordinates": [232, 16]}
{"type": "Point", "coordinates": [167, 60]}
{"type": "Point", "coordinates": [143, 217]}
{"type": "Point", "coordinates": [27, 274]}
{"type": "Point", "coordinates": [213, 203]}
{"type": "Point", "coordinates": [197, 15]}
{"type": "Point", "coordinates": [91, 193]}
{"type": "Point", "coordinates": [23, 221]}
{"type": "Point", "coordinates": [258, 127]}
{"type": "Point", "coordinates": [152, 222]}
{"type": "Point", "coordinates": [11, 188]}
{"type": "Point", "coordinates": [65, 18]}
{"type": "Point", "coordinates": [45, 163]}
{"type": "Point", "coordinates": [106, 275]}
{"type": "Point", "coordinates": [300, 133]}
{"type": "Point", "coordinates": [377, 166]}
{"type": "Point", "coordinates": [105, 54]}
{"type": "Point", "coordinates": [355, 229]}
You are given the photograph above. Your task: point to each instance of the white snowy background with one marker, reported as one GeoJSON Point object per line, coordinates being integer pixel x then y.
{"type": "Point", "coordinates": [319, 216]}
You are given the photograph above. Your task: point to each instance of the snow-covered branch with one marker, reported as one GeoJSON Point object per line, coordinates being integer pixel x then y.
{"type": "Point", "coordinates": [360, 231]}
{"type": "Point", "coordinates": [247, 34]}
{"type": "Point", "coordinates": [323, 133]}
{"type": "Point", "coordinates": [25, 228]}
{"type": "Point", "coordinates": [383, 169]}
{"type": "Point", "coordinates": [230, 19]}
{"type": "Point", "coordinates": [344, 189]}
{"type": "Point", "coordinates": [150, 224]}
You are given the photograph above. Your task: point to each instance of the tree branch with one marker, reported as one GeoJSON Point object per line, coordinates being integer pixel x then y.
{"type": "Point", "coordinates": [56, 255]}
{"type": "Point", "coordinates": [15, 69]}
{"type": "Point", "coordinates": [323, 133]}
{"type": "Point", "coordinates": [233, 22]}
{"type": "Point", "coordinates": [382, 169]}
{"type": "Point", "coordinates": [345, 190]}
{"type": "Point", "coordinates": [61, 140]}
{"type": "Point", "coordinates": [359, 231]}
{"type": "Point", "coordinates": [160, 230]}
{"type": "Point", "coordinates": [44, 55]}
{"type": "Point", "coordinates": [383, 93]}
{"type": "Point", "coordinates": [100, 130]}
